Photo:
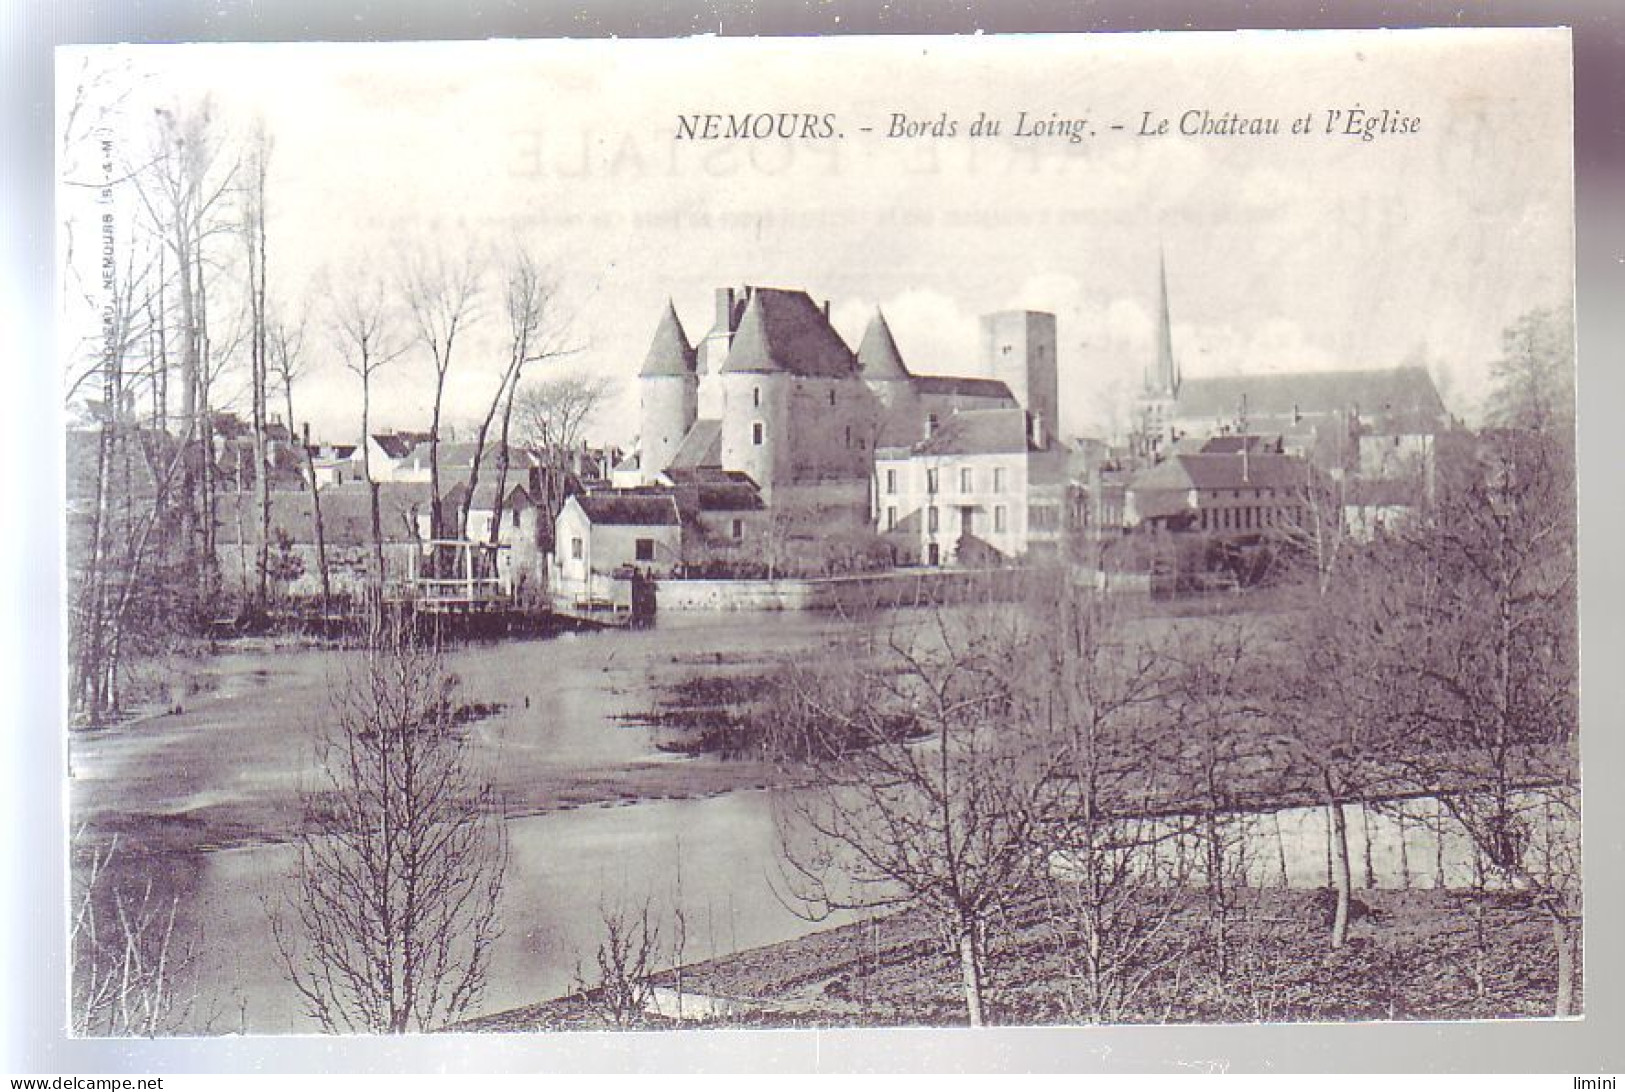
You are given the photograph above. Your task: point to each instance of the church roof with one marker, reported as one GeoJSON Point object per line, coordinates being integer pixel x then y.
{"type": "Point", "coordinates": [1406, 392]}
{"type": "Point", "coordinates": [877, 354]}
{"type": "Point", "coordinates": [669, 352]}
{"type": "Point", "coordinates": [783, 330]}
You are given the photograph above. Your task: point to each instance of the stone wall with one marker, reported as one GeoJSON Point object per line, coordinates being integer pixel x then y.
{"type": "Point", "coordinates": [893, 589]}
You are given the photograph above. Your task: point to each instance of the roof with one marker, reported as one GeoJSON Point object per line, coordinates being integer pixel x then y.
{"type": "Point", "coordinates": [669, 352]}
{"type": "Point", "coordinates": [346, 514]}
{"type": "Point", "coordinates": [327, 452]}
{"type": "Point", "coordinates": [1209, 472]}
{"type": "Point", "coordinates": [701, 447]}
{"type": "Point", "coordinates": [398, 445]}
{"type": "Point", "coordinates": [729, 496]}
{"type": "Point", "coordinates": [878, 357]}
{"type": "Point", "coordinates": [1230, 444]}
{"type": "Point", "coordinates": [459, 455]}
{"type": "Point", "coordinates": [629, 510]}
{"type": "Point", "coordinates": [980, 432]}
{"type": "Point", "coordinates": [485, 496]}
{"type": "Point", "coordinates": [1161, 503]}
{"type": "Point", "coordinates": [1407, 391]}
{"type": "Point", "coordinates": [962, 386]}
{"type": "Point", "coordinates": [783, 330]}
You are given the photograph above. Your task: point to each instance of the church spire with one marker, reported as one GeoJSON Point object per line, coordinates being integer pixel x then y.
{"type": "Point", "coordinates": [1166, 378]}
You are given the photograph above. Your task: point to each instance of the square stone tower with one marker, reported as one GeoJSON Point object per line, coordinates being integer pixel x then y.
{"type": "Point", "coordinates": [1019, 348]}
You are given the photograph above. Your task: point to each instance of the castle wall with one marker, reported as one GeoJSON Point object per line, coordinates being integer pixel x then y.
{"type": "Point", "coordinates": [667, 407]}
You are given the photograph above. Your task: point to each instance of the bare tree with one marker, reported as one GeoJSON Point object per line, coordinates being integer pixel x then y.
{"type": "Point", "coordinates": [392, 910]}
{"type": "Point", "coordinates": [364, 330]}
{"type": "Point", "coordinates": [1533, 381]}
{"type": "Point", "coordinates": [621, 986]}
{"type": "Point", "coordinates": [286, 342]}
{"type": "Point", "coordinates": [553, 416]}
{"type": "Point", "coordinates": [1094, 696]}
{"type": "Point", "coordinates": [253, 233]}
{"type": "Point", "coordinates": [534, 329]}
{"type": "Point", "coordinates": [1479, 653]}
{"type": "Point", "coordinates": [184, 186]}
{"type": "Point", "coordinates": [443, 297]}
{"type": "Point", "coordinates": [133, 973]}
{"type": "Point", "coordinates": [1211, 701]}
{"type": "Point", "coordinates": [919, 793]}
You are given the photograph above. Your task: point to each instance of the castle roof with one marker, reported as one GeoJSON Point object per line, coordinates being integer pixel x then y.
{"type": "Point", "coordinates": [783, 330]}
{"type": "Point", "coordinates": [962, 386]}
{"type": "Point", "coordinates": [669, 352]}
{"type": "Point", "coordinates": [877, 354]}
{"type": "Point", "coordinates": [701, 447]}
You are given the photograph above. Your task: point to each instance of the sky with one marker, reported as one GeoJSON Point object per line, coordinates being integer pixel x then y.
{"type": "Point", "coordinates": [1288, 251]}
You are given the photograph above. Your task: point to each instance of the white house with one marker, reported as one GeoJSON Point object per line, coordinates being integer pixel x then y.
{"type": "Point", "coordinates": [598, 536]}
{"type": "Point", "coordinates": [978, 491]}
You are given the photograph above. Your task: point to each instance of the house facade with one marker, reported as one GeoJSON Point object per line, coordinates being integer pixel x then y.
{"type": "Point", "coordinates": [977, 492]}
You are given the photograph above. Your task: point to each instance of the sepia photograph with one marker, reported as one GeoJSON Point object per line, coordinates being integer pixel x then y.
{"type": "Point", "coordinates": [774, 533]}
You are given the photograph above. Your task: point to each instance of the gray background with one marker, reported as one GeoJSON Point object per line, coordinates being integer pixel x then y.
{"type": "Point", "coordinates": [32, 808]}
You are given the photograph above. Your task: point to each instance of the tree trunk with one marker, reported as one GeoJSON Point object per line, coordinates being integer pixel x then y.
{"type": "Point", "coordinates": [1562, 937]}
{"type": "Point", "coordinates": [970, 966]}
{"type": "Point", "coordinates": [1341, 880]}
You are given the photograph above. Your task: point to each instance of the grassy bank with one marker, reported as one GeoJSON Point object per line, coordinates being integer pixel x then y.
{"type": "Point", "coordinates": [1416, 955]}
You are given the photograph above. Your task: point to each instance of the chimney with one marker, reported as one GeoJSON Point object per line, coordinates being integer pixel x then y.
{"type": "Point", "coordinates": [725, 309]}
{"type": "Point", "coordinates": [1035, 430]}
{"type": "Point", "coordinates": [306, 433]}
{"type": "Point", "coordinates": [826, 310]}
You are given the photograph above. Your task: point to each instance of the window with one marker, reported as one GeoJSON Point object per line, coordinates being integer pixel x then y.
{"type": "Point", "coordinates": [756, 396]}
{"type": "Point", "coordinates": [848, 435]}
{"type": "Point", "coordinates": [965, 478]}
{"type": "Point", "coordinates": [931, 482]}
{"type": "Point", "coordinates": [738, 529]}
{"type": "Point", "coordinates": [998, 479]}
{"type": "Point", "coordinates": [891, 517]}
{"type": "Point", "coordinates": [999, 518]}
{"type": "Point", "coordinates": [891, 483]}
{"type": "Point", "coordinates": [966, 522]}
{"type": "Point", "coordinates": [644, 549]}
{"type": "Point", "coordinates": [756, 433]}
{"type": "Point", "coordinates": [575, 549]}
{"type": "Point", "coordinates": [832, 396]}
{"type": "Point", "coordinates": [931, 520]}
{"type": "Point", "coordinates": [515, 521]}
{"type": "Point", "coordinates": [930, 424]}
{"type": "Point", "coordinates": [1043, 518]}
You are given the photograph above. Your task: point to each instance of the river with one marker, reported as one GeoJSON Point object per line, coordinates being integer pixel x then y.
{"type": "Point", "coordinates": [599, 814]}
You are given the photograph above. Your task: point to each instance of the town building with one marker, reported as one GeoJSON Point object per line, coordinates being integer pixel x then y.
{"type": "Point", "coordinates": [978, 491]}
{"type": "Point", "coordinates": [603, 538]}
{"type": "Point", "coordinates": [1234, 493]}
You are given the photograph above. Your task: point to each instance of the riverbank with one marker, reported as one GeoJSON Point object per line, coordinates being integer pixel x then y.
{"type": "Point", "coordinates": [1430, 954]}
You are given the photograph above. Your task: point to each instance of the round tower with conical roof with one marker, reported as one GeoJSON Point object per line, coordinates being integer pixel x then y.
{"type": "Point", "coordinates": [756, 394]}
{"type": "Point", "coordinates": [669, 392]}
{"type": "Point", "coordinates": [888, 378]}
